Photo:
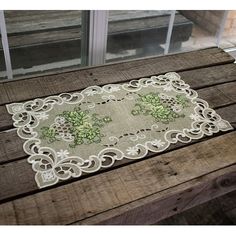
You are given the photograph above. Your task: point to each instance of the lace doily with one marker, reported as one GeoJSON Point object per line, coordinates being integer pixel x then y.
{"type": "Point", "coordinates": [85, 131]}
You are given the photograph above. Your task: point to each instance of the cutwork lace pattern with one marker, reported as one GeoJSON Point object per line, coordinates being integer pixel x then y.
{"type": "Point", "coordinates": [52, 165]}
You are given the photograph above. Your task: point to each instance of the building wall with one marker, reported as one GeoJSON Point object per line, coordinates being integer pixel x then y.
{"type": "Point", "coordinates": [210, 20]}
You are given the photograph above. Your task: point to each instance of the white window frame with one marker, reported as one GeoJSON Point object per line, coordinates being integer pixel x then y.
{"type": "Point", "coordinates": [97, 40]}
{"type": "Point", "coordinates": [94, 37]}
{"type": "Point", "coordinates": [220, 32]}
{"type": "Point", "coordinates": [169, 32]}
{"type": "Point", "coordinates": [5, 45]}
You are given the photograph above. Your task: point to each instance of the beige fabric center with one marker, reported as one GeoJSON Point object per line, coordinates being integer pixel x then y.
{"type": "Point", "coordinates": [73, 133]}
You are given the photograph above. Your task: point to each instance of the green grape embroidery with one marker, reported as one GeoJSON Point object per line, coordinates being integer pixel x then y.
{"type": "Point", "coordinates": [83, 127]}
{"type": "Point", "coordinates": [162, 108]}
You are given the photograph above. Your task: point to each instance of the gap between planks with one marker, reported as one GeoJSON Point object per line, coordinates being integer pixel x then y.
{"type": "Point", "coordinates": [106, 191]}
{"type": "Point", "coordinates": [197, 79]}
{"type": "Point", "coordinates": [17, 178]}
{"type": "Point", "coordinates": [166, 203]}
{"type": "Point", "coordinates": [22, 169]}
{"type": "Point", "coordinates": [21, 90]}
{"type": "Point", "coordinates": [11, 146]}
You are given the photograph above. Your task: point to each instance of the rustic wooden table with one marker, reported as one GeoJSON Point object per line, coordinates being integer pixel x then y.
{"type": "Point", "coordinates": [141, 192]}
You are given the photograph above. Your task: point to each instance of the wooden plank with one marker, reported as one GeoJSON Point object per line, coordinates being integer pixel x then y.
{"type": "Point", "coordinates": [45, 37]}
{"type": "Point", "coordinates": [218, 95]}
{"type": "Point", "coordinates": [209, 76]}
{"type": "Point", "coordinates": [209, 213]}
{"type": "Point", "coordinates": [228, 202]}
{"type": "Point", "coordinates": [29, 26]}
{"type": "Point", "coordinates": [14, 146]}
{"type": "Point", "coordinates": [228, 113]}
{"type": "Point", "coordinates": [136, 24]}
{"type": "Point", "coordinates": [201, 163]}
{"type": "Point", "coordinates": [168, 202]}
{"type": "Point", "coordinates": [229, 90]}
{"type": "Point", "coordinates": [48, 85]}
{"type": "Point", "coordinates": [198, 78]}
{"type": "Point", "coordinates": [3, 95]}
{"type": "Point", "coordinates": [5, 119]}
{"type": "Point", "coordinates": [11, 144]}
{"type": "Point", "coordinates": [49, 51]}
{"type": "Point", "coordinates": [22, 22]}
{"type": "Point", "coordinates": [32, 21]}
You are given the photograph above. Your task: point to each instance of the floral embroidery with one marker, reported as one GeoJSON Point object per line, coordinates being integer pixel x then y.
{"type": "Point", "coordinates": [158, 143]}
{"type": "Point", "coordinates": [48, 175]}
{"type": "Point", "coordinates": [90, 92]}
{"type": "Point", "coordinates": [195, 117]}
{"type": "Point", "coordinates": [114, 89]}
{"type": "Point", "coordinates": [162, 107]}
{"type": "Point", "coordinates": [49, 133]}
{"type": "Point", "coordinates": [132, 151]}
{"type": "Point", "coordinates": [77, 125]}
{"type": "Point", "coordinates": [164, 98]}
{"type": "Point", "coordinates": [222, 124]}
{"type": "Point", "coordinates": [62, 154]}
{"type": "Point", "coordinates": [17, 108]}
{"type": "Point", "coordinates": [42, 116]}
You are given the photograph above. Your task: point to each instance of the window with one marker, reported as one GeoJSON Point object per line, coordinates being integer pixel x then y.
{"type": "Point", "coordinates": [133, 34]}
{"type": "Point", "coordinates": [42, 42]}
{"type": "Point", "coordinates": [2, 61]}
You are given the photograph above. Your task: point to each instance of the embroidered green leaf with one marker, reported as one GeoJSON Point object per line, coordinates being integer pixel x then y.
{"type": "Point", "coordinates": [84, 128]}
{"type": "Point", "coordinates": [48, 133]}
{"type": "Point", "coordinates": [163, 108]}
{"type": "Point", "coordinates": [182, 100]}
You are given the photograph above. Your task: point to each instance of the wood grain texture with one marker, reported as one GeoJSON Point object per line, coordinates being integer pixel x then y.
{"type": "Point", "coordinates": [17, 177]}
{"type": "Point", "coordinates": [169, 202]}
{"type": "Point", "coordinates": [218, 96]}
{"type": "Point", "coordinates": [5, 119]}
{"type": "Point", "coordinates": [21, 22]}
{"type": "Point", "coordinates": [199, 78]}
{"type": "Point", "coordinates": [3, 94]}
{"type": "Point", "coordinates": [11, 146]}
{"type": "Point", "coordinates": [130, 193]}
{"type": "Point", "coordinates": [208, 213]}
{"type": "Point", "coordinates": [85, 198]}
{"type": "Point", "coordinates": [228, 113]}
{"type": "Point", "coordinates": [48, 85]}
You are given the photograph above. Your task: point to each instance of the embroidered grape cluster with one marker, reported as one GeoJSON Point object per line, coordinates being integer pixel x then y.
{"type": "Point", "coordinates": [160, 106]}
{"type": "Point", "coordinates": [83, 127]}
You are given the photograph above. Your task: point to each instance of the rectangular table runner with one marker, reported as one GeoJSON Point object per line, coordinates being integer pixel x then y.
{"type": "Point", "coordinates": [72, 133]}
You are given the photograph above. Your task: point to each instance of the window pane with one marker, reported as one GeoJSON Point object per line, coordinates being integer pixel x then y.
{"type": "Point", "coordinates": [228, 39]}
{"type": "Point", "coordinates": [133, 34]}
{"type": "Point", "coordinates": [43, 41]}
{"type": "Point", "coordinates": [2, 62]}
{"type": "Point", "coordinates": [203, 28]}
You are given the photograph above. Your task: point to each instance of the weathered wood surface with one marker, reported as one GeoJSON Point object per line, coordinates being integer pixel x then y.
{"type": "Point", "coordinates": [17, 176]}
{"type": "Point", "coordinates": [85, 198]}
{"type": "Point", "coordinates": [196, 78]}
{"type": "Point", "coordinates": [116, 72]}
{"type": "Point", "coordinates": [31, 21]}
{"type": "Point", "coordinates": [169, 202]}
{"type": "Point", "coordinates": [219, 211]}
{"type": "Point", "coordinates": [129, 193]}
{"type": "Point", "coordinates": [218, 96]}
